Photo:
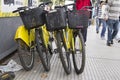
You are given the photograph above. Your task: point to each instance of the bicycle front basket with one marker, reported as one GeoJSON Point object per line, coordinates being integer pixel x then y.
{"type": "Point", "coordinates": [78, 19]}
{"type": "Point", "coordinates": [33, 18]}
{"type": "Point", "coordinates": [56, 20]}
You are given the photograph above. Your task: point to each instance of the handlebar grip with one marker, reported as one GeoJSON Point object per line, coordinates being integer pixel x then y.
{"type": "Point", "coordinates": [45, 3]}
{"type": "Point", "coordinates": [15, 11]}
{"type": "Point", "coordinates": [23, 8]}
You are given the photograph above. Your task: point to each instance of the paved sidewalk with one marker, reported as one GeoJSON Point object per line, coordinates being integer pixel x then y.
{"type": "Point", "coordinates": [102, 63]}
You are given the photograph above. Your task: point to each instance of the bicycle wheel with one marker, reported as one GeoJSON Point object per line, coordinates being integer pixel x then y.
{"type": "Point", "coordinates": [44, 53]}
{"type": "Point", "coordinates": [79, 53]}
{"type": "Point", "coordinates": [64, 55]}
{"type": "Point", "coordinates": [26, 55]}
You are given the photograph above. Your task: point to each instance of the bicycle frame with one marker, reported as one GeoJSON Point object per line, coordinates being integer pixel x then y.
{"type": "Point", "coordinates": [69, 39]}
{"type": "Point", "coordinates": [45, 35]}
{"type": "Point", "coordinates": [23, 34]}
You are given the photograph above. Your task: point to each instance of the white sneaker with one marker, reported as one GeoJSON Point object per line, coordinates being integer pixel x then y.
{"type": "Point", "coordinates": [103, 38]}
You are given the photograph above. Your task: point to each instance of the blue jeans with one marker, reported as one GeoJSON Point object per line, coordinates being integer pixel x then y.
{"type": "Point", "coordinates": [98, 22]}
{"type": "Point", "coordinates": [112, 29]}
{"type": "Point", "coordinates": [103, 27]}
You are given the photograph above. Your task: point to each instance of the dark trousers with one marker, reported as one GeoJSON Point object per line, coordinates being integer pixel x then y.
{"type": "Point", "coordinates": [84, 33]}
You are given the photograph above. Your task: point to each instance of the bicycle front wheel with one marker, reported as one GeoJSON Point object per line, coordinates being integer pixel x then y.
{"type": "Point", "coordinates": [44, 53]}
{"type": "Point", "coordinates": [79, 53]}
{"type": "Point", "coordinates": [26, 55]}
{"type": "Point", "coordinates": [64, 55]}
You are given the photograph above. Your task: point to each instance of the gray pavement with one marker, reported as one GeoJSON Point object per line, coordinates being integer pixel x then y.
{"type": "Point", "coordinates": [102, 63]}
{"type": "Point", "coordinates": [96, 47]}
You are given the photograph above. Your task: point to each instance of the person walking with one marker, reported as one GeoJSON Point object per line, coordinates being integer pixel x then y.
{"type": "Point", "coordinates": [99, 12]}
{"type": "Point", "coordinates": [113, 20]}
{"type": "Point", "coordinates": [102, 17]}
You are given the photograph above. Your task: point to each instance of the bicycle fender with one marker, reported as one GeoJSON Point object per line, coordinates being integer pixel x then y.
{"type": "Point", "coordinates": [22, 33]}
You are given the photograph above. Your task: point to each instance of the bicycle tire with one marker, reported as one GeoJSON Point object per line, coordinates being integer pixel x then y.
{"type": "Point", "coordinates": [80, 58]}
{"type": "Point", "coordinates": [26, 55]}
{"type": "Point", "coordinates": [66, 66]}
{"type": "Point", "coordinates": [43, 53]}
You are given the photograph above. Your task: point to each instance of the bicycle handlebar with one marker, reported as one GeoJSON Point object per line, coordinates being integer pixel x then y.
{"type": "Point", "coordinates": [25, 7]}
{"type": "Point", "coordinates": [20, 8]}
{"type": "Point", "coordinates": [65, 6]}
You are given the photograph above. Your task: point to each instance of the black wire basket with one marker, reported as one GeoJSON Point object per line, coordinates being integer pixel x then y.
{"type": "Point", "coordinates": [78, 19]}
{"type": "Point", "coordinates": [33, 18]}
{"type": "Point", "coordinates": [56, 20]}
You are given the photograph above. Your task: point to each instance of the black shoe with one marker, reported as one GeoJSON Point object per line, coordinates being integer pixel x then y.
{"type": "Point", "coordinates": [108, 44]}
{"type": "Point", "coordinates": [97, 32]}
{"type": "Point", "coordinates": [111, 41]}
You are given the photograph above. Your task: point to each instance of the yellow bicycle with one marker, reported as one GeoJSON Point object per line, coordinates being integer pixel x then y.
{"type": "Point", "coordinates": [72, 40]}
{"type": "Point", "coordinates": [56, 23]}
{"type": "Point", "coordinates": [43, 41]}
{"type": "Point", "coordinates": [25, 36]}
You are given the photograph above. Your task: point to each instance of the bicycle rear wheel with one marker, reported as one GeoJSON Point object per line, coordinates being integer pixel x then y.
{"type": "Point", "coordinates": [26, 55]}
{"type": "Point", "coordinates": [64, 55]}
{"type": "Point", "coordinates": [44, 53]}
{"type": "Point", "coordinates": [79, 53]}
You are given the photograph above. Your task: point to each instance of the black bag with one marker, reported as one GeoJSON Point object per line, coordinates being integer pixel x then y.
{"type": "Point", "coordinates": [56, 20]}
{"type": "Point", "coordinates": [78, 19]}
{"type": "Point", "coordinates": [33, 18]}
